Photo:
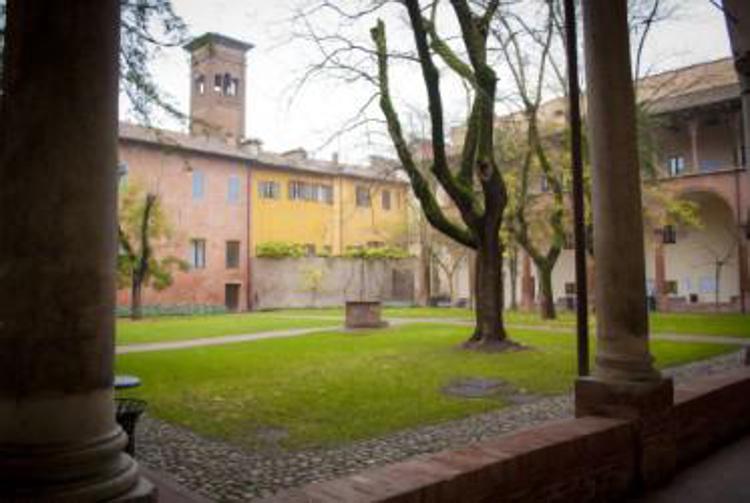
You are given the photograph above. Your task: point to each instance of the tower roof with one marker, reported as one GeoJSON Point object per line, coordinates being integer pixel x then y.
{"type": "Point", "coordinates": [217, 38]}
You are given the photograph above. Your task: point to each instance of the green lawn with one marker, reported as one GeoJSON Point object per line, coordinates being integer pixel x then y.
{"type": "Point", "coordinates": [736, 325]}
{"type": "Point", "coordinates": [194, 327]}
{"type": "Point", "coordinates": [336, 387]}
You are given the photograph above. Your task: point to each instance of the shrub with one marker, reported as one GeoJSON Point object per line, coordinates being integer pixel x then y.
{"type": "Point", "coordinates": [279, 249]}
{"type": "Point", "coordinates": [380, 252]}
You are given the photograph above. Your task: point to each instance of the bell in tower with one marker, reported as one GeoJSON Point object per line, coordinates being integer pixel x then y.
{"type": "Point", "coordinates": [217, 91]}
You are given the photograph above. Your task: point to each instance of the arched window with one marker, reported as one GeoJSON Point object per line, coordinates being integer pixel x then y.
{"type": "Point", "coordinates": [227, 84]}
{"type": "Point", "coordinates": [200, 84]}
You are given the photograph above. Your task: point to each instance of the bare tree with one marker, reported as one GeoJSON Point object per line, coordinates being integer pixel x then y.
{"type": "Point", "coordinates": [481, 212]}
{"type": "Point", "coordinates": [525, 48]}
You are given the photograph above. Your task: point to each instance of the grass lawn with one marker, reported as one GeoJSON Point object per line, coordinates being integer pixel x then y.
{"type": "Point", "coordinates": [330, 388]}
{"type": "Point", "coordinates": [736, 325]}
{"type": "Point", "coordinates": [195, 327]}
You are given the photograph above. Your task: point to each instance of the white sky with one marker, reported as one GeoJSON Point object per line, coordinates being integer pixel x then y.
{"type": "Point", "coordinates": [696, 33]}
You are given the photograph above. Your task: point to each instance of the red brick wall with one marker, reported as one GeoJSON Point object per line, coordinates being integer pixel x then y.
{"type": "Point", "coordinates": [709, 412]}
{"type": "Point", "coordinates": [212, 218]}
{"type": "Point", "coordinates": [586, 459]}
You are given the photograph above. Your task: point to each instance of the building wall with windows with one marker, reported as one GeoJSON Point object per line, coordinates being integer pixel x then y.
{"type": "Point", "coordinates": [323, 212]}
{"type": "Point", "coordinates": [222, 194]}
{"type": "Point", "coordinates": [204, 199]}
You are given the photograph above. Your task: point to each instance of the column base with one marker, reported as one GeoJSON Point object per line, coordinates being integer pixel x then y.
{"type": "Point", "coordinates": [649, 406]}
{"type": "Point", "coordinates": [96, 471]}
{"type": "Point", "coordinates": [143, 492]}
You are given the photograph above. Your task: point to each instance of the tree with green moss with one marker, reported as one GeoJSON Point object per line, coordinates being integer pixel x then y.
{"type": "Point", "coordinates": [475, 187]}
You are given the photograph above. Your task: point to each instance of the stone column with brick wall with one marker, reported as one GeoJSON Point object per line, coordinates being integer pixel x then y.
{"type": "Point", "coordinates": [624, 382]}
{"type": "Point", "coordinates": [58, 436]}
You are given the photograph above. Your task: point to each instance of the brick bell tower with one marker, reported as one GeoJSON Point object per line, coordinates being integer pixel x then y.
{"type": "Point", "coordinates": [217, 88]}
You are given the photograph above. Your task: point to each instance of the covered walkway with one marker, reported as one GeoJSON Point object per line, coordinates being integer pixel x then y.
{"type": "Point", "coordinates": [722, 477]}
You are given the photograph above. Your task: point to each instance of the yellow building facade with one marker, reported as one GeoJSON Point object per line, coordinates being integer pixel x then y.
{"type": "Point", "coordinates": [328, 214]}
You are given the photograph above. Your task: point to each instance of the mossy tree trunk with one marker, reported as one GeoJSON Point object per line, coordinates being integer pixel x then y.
{"type": "Point", "coordinates": [475, 187]}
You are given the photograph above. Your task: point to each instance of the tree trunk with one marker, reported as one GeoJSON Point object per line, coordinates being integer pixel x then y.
{"type": "Point", "coordinates": [489, 333]}
{"type": "Point", "coordinates": [546, 296]}
{"type": "Point", "coordinates": [136, 310]}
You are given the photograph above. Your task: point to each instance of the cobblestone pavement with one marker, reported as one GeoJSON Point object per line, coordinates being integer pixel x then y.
{"type": "Point", "coordinates": [227, 473]}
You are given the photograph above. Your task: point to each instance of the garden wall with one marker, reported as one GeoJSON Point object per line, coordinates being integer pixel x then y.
{"type": "Point", "coordinates": [329, 282]}
{"type": "Point", "coordinates": [585, 459]}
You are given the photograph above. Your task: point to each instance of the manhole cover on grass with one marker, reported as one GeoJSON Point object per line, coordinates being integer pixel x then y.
{"type": "Point", "coordinates": [476, 387]}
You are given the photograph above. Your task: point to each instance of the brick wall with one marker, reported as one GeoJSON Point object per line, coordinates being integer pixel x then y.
{"type": "Point", "coordinates": [710, 412]}
{"type": "Point", "coordinates": [586, 459]}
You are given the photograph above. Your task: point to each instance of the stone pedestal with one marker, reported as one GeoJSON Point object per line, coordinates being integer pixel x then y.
{"type": "Point", "coordinates": [649, 405]}
{"type": "Point", "coordinates": [364, 314]}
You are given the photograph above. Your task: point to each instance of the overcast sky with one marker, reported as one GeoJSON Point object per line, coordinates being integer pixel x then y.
{"type": "Point", "coordinates": [697, 33]}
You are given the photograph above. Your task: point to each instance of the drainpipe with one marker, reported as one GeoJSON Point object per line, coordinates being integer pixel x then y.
{"type": "Point", "coordinates": [248, 234]}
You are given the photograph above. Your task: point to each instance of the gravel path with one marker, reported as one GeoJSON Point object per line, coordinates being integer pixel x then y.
{"type": "Point", "coordinates": [227, 473]}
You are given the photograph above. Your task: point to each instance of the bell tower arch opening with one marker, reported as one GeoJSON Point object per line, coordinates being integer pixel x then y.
{"type": "Point", "coordinates": [218, 91]}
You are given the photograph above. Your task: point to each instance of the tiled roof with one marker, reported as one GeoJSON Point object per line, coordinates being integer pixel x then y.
{"type": "Point", "coordinates": [214, 146]}
{"type": "Point", "coordinates": [691, 86]}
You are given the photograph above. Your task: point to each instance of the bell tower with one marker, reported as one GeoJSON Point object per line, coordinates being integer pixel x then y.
{"type": "Point", "coordinates": [217, 87]}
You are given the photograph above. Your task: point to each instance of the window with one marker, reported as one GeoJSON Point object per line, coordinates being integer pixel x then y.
{"type": "Point", "coordinates": [670, 287]}
{"type": "Point", "coordinates": [233, 189]}
{"type": "Point", "coordinates": [570, 288]}
{"type": "Point", "coordinates": [295, 190]}
{"type": "Point", "coordinates": [543, 184]}
{"type": "Point", "coordinates": [199, 183]}
{"type": "Point", "coordinates": [197, 257]}
{"type": "Point", "coordinates": [268, 190]}
{"type": "Point", "coordinates": [313, 193]}
{"type": "Point", "coordinates": [676, 165]}
{"type": "Point", "coordinates": [200, 84]}
{"type": "Point", "coordinates": [707, 284]}
{"type": "Point", "coordinates": [233, 254]}
{"type": "Point", "coordinates": [363, 197]}
{"type": "Point", "coordinates": [217, 83]}
{"type": "Point", "coordinates": [227, 85]}
{"type": "Point", "coordinates": [122, 174]}
{"type": "Point", "coordinates": [326, 194]}
{"type": "Point", "coordinates": [668, 235]}
{"type": "Point", "coordinates": [386, 199]}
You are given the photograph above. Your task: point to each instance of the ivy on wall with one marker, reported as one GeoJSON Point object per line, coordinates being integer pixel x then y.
{"type": "Point", "coordinates": [282, 249]}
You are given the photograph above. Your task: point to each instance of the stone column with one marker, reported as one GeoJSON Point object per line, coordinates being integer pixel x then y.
{"type": "Point", "coordinates": [693, 127]}
{"type": "Point", "coordinates": [58, 137]}
{"type": "Point", "coordinates": [660, 274]}
{"type": "Point", "coordinates": [527, 284]}
{"type": "Point", "coordinates": [624, 382]}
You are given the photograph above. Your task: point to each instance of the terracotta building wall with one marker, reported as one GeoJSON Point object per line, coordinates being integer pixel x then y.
{"type": "Point", "coordinates": [213, 217]}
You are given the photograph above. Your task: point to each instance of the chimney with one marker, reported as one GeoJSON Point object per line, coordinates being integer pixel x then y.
{"type": "Point", "coordinates": [297, 154]}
